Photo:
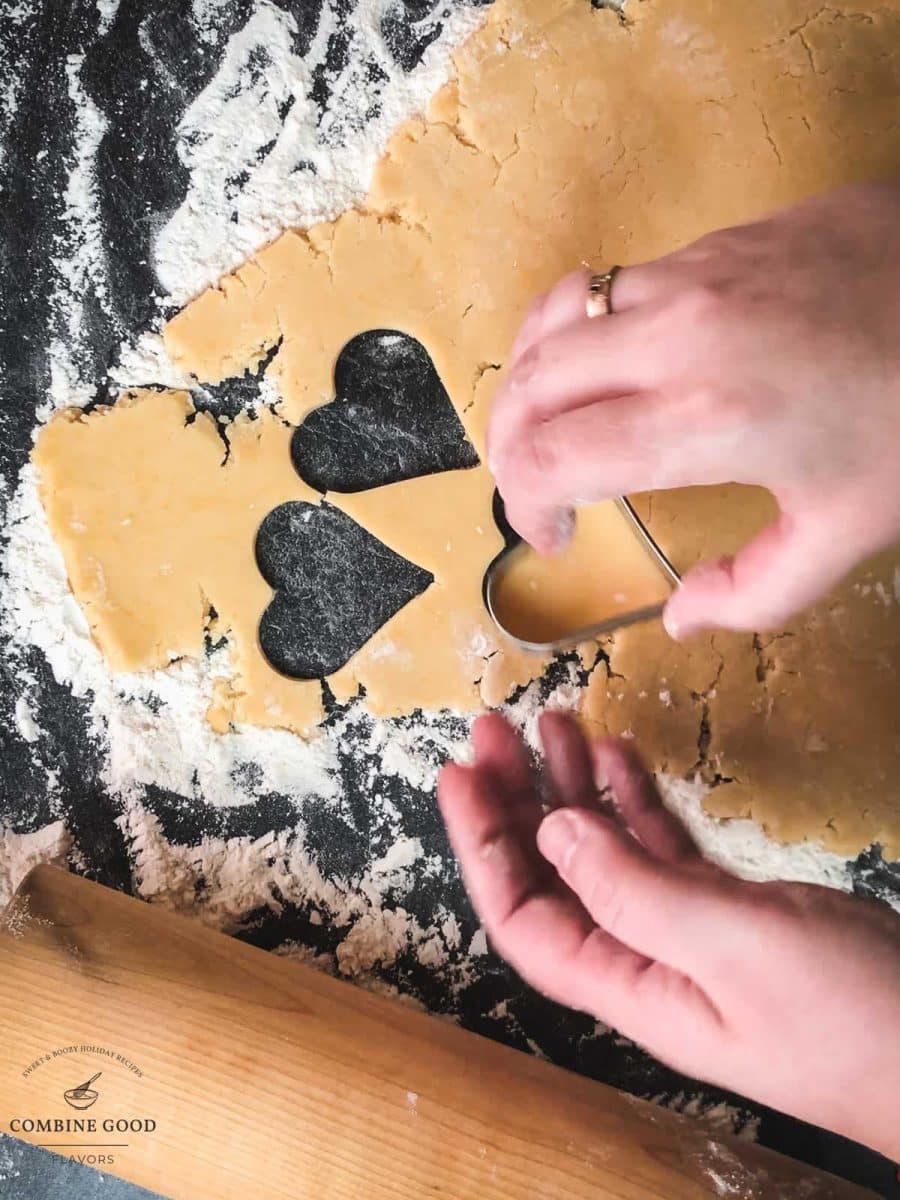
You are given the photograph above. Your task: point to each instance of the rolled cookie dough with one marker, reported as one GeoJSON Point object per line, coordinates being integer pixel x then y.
{"type": "Point", "coordinates": [569, 134]}
{"type": "Point", "coordinates": [797, 729]}
{"type": "Point", "coordinates": [158, 528]}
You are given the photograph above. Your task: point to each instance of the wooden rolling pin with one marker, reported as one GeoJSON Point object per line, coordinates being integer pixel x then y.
{"type": "Point", "coordinates": [216, 1071]}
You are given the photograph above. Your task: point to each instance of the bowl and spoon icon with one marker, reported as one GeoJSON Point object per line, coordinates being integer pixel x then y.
{"type": "Point", "coordinates": [84, 1095]}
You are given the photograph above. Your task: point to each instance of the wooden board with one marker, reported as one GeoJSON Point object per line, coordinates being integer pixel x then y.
{"type": "Point", "coordinates": [229, 1073]}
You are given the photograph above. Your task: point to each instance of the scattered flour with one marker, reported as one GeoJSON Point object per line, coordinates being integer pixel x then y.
{"type": "Point", "coordinates": [107, 10]}
{"type": "Point", "coordinates": [19, 852]}
{"type": "Point", "coordinates": [256, 119]}
{"type": "Point", "coordinates": [743, 848]}
{"type": "Point", "coordinates": [717, 1115]}
{"type": "Point", "coordinates": [81, 267]}
{"type": "Point", "coordinates": [153, 726]}
{"type": "Point", "coordinates": [16, 16]}
{"type": "Point", "coordinates": [478, 946]}
{"type": "Point", "coordinates": [222, 880]}
{"type": "Point", "coordinates": [28, 728]}
{"type": "Point", "coordinates": [302, 167]}
{"type": "Point", "coordinates": [144, 362]}
{"type": "Point", "coordinates": [732, 1177]}
{"type": "Point", "coordinates": [525, 711]}
{"type": "Point", "coordinates": [9, 1157]}
{"type": "Point", "coordinates": [414, 752]}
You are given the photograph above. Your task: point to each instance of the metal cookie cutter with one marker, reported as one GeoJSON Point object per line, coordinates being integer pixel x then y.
{"type": "Point", "coordinates": [515, 546]}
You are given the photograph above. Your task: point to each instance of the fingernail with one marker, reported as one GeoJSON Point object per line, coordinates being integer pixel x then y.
{"type": "Point", "coordinates": [558, 837]}
{"type": "Point", "coordinates": [677, 627]}
{"type": "Point", "coordinates": [671, 625]}
{"type": "Point", "coordinates": [601, 779]}
{"type": "Point", "coordinates": [563, 528]}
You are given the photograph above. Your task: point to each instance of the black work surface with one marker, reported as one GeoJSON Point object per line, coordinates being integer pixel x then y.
{"type": "Point", "coordinates": [144, 183]}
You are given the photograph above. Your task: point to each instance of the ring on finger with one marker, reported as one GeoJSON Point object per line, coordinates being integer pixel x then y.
{"type": "Point", "coordinates": [598, 302]}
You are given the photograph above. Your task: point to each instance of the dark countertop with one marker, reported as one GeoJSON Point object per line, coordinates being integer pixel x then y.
{"type": "Point", "coordinates": [26, 1173]}
{"type": "Point", "coordinates": [143, 184]}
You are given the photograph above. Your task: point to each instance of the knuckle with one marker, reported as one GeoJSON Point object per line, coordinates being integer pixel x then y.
{"type": "Point", "coordinates": [532, 324]}
{"type": "Point", "coordinates": [767, 906]}
{"type": "Point", "coordinates": [543, 450]}
{"type": "Point", "coordinates": [715, 406]}
{"type": "Point", "coordinates": [535, 313]}
{"type": "Point", "coordinates": [525, 370]}
{"type": "Point", "coordinates": [727, 242]}
{"type": "Point", "coordinates": [699, 303]}
{"type": "Point", "coordinates": [707, 400]}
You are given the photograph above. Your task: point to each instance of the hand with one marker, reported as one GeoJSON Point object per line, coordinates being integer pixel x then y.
{"type": "Point", "coordinates": [766, 354]}
{"type": "Point", "coordinates": [784, 992]}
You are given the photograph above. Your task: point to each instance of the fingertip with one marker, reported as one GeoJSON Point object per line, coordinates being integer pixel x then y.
{"type": "Point", "coordinates": [608, 752]}
{"type": "Point", "coordinates": [453, 773]}
{"type": "Point", "coordinates": [672, 624]}
{"type": "Point", "coordinates": [679, 621]}
{"type": "Point", "coordinates": [559, 733]}
{"type": "Point", "coordinates": [549, 725]}
{"type": "Point", "coordinates": [454, 780]}
{"type": "Point", "coordinates": [486, 720]}
{"type": "Point", "coordinates": [548, 531]}
{"type": "Point", "coordinates": [554, 721]}
{"type": "Point", "coordinates": [608, 744]}
{"type": "Point", "coordinates": [487, 729]}
{"type": "Point", "coordinates": [562, 831]}
{"type": "Point", "coordinates": [616, 763]}
{"type": "Point", "coordinates": [704, 600]}
{"type": "Point", "coordinates": [503, 757]}
{"type": "Point", "coordinates": [608, 761]}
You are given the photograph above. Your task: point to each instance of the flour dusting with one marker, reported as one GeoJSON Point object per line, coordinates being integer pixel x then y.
{"type": "Point", "coordinates": [715, 1114]}
{"type": "Point", "coordinates": [19, 852]}
{"type": "Point", "coordinates": [258, 119]}
{"type": "Point", "coordinates": [263, 151]}
{"type": "Point", "coordinates": [80, 267]}
{"type": "Point", "coordinates": [265, 146]}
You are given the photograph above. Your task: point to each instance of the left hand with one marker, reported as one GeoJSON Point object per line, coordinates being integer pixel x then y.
{"type": "Point", "coordinates": [785, 992]}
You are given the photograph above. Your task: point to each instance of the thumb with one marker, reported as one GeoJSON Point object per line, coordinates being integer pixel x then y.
{"type": "Point", "coordinates": [668, 914]}
{"type": "Point", "coordinates": [786, 567]}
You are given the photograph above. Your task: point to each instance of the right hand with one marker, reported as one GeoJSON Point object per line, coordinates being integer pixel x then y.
{"type": "Point", "coordinates": [765, 354]}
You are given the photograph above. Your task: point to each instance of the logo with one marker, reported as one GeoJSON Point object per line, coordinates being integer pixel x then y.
{"type": "Point", "coordinates": [46, 1097]}
{"type": "Point", "coordinates": [84, 1095]}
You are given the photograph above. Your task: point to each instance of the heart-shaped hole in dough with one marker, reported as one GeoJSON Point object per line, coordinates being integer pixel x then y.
{"type": "Point", "coordinates": [391, 419]}
{"type": "Point", "coordinates": [335, 584]}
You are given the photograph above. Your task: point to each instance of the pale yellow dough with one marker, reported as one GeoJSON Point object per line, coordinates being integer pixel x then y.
{"type": "Point", "coordinates": [569, 135]}
{"type": "Point", "coordinates": [605, 573]}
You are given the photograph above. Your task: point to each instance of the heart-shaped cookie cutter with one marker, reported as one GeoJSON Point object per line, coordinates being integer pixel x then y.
{"type": "Point", "coordinates": [500, 563]}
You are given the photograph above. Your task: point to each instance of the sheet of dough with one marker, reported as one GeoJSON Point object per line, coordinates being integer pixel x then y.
{"type": "Point", "coordinates": [568, 135]}
{"type": "Point", "coordinates": [799, 726]}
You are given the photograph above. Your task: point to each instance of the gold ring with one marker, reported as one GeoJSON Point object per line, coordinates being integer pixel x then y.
{"type": "Point", "coordinates": [599, 296]}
